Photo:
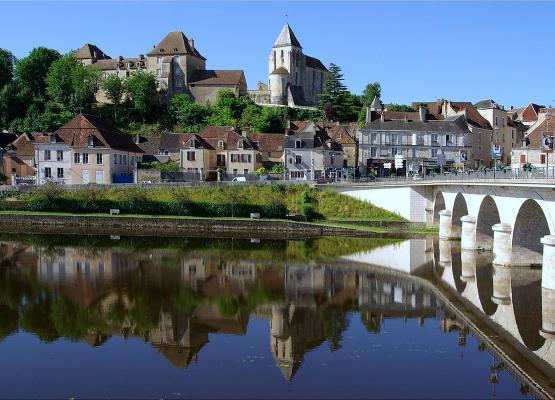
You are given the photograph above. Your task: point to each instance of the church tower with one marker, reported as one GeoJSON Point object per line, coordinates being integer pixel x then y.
{"type": "Point", "coordinates": [285, 66]}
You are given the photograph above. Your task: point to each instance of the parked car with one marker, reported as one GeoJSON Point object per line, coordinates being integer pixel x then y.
{"type": "Point", "coordinates": [323, 180]}
{"type": "Point", "coordinates": [265, 177]}
{"type": "Point", "coordinates": [239, 179]}
{"type": "Point", "coordinates": [417, 177]}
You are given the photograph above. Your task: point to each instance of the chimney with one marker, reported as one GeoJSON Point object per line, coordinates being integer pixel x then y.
{"type": "Point", "coordinates": [120, 58]}
{"type": "Point", "coordinates": [382, 118]}
{"type": "Point", "coordinates": [137, 138]}
{"type": "Point", "coordinates": [511, 108]}
{"type": "Point", "coordinates": [406, 119]}
{"type": "Point", "coordinates": [245, 134]}
{"type": "Point", "coordinates": [94, 55]}
{"type": "Point", "coordinates": [368, 112]}
{"type": "Point", "coordinates": [422, 113]}
{"type": "Point", "coordinates": [192, 43]}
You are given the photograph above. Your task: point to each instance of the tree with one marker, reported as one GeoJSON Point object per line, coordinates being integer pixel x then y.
{"type": "Point", "coordinates": [115, 89]}
{"type": "Point", "coordinates": [71, 84]}
{"type": "Point", "coordinates": [13, 103]}
{"type": "Point", "coordinates": [32, 70]}
{"type": "Point", "coordinates": [7, 61]}
{"type": "Point", "coordinates": [371, 91]}
{"type": "Point", "coordinates": [399, 107]}
{"type": "Point", "coordinates": [189, 115]}
{"type": "Point", "coordinates": [335, 100]}
{"type": "Point", "coordinates": [141, 87]}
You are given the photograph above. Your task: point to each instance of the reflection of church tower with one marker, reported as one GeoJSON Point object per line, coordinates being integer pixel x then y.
{"type": "Point", "coordinates": [293, 332]}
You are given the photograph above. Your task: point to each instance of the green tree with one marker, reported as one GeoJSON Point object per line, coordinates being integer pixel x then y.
{"type": "Point", "coordinates": [7, 61]}
{"type": "Point", "coordinates": [14, 100]}
{"type": "Point", "coordinates": [33, 69]}
{"type": "Point", "coordinates": [71, 84]}
{"type": "Point", "coordinates": [189, 115]}
{"type": "Point", "coordinates": [115, 89]}
{"type": "Point", "coordinates": [336, 101]}
{"type": "Point", "coordinates": [399, 107]}
{"type": "Point", "coordinates": [141, 87]}
{"type": "Point", "coordinates": [371, 90]}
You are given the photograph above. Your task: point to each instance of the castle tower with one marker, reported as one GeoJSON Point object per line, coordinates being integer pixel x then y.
{"type": "Point", "coordinates": [285, 65]}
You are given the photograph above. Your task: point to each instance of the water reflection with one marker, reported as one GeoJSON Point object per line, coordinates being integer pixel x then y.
{"type": "Point", "coordinates": [181, 295]}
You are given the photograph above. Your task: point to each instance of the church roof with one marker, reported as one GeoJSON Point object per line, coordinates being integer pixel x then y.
{"type": "Point", "coordinates": [280, 71]}
{"type": "Point", "coordinates": [175, 43]}
{"type": "Point", "coordinates": [287, 38]}
{"type": "Point", "coordinates": [91, 51]}
{"type": "Point", "coordinates": [376, 103]}
{"type": "Point", "coordinates": [312, 62]}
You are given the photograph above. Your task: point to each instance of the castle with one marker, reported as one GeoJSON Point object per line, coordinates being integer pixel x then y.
{"type": "Point", "coordinates": [295, 79]}
{"type": "Point", "coordinates": [178, 65]}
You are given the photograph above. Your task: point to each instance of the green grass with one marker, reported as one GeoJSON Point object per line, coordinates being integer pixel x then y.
{"type": "Point", "coordinates": [327, 205]}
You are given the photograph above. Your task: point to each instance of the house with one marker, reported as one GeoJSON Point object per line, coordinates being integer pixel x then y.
{"type": "Point", "coordinates": [309, 153]}
{"type": "Point", "coordinates": [531, 151]}
{"type": "Point", "coordinates": [505, 131]}
{"type": "Point", "coordinates": [425, 140]}
{"type": "Point", "coordinates": [177, 64]}
{"type": "Point", "coordinates": [480, 143]}
{"type": "Point", "coordinates": [53, 158]}
{"type": "Point", "coordinates": [348, 141]}
{"type": "Point", "coordinates": [270, 148]}
{"type": "Point", "coordinates": [99, 152]}
{"type": "Point", "coordinates": [528, 116]}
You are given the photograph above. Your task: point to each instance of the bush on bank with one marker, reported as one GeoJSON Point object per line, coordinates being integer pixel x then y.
{"type": "Point", "coordinates": [271, 201]}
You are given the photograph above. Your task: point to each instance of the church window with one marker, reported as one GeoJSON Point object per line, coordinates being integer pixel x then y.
{"type": "Point", "coordinates": [281, 55]}
{"type": "Point", "coordinates": [274, 60]}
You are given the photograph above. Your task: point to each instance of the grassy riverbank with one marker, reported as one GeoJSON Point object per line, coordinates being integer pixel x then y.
{"type": "Point", "coordinates": [271, 201]}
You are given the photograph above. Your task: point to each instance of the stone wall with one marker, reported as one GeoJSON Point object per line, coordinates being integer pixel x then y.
{"type": "Point", "coordinates": [144, 226]}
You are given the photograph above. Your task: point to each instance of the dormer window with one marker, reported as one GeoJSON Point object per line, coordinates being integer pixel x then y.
{"type": "Point", "coordinates": [298, 144]}
{"type": "Point", "coordinates": [192, 143]}
{"type": "Point", "coordinates": [52, 138]}
{"type": "Point", "coordinates": [221, 144]}
{"type": "Point", "coordinates": [240, 144]}
{"type": "Point", "coordinates": [90, 141]}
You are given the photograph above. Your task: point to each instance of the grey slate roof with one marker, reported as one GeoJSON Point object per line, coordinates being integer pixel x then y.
{"type": "Point", "coordinates": [456, 125]}
{"type": "Point", "coordinates": [175, 43]}
{"type": "Point", "coordinates": [287, 38]}
{"type": "Point", "coordinates": [312, 62]}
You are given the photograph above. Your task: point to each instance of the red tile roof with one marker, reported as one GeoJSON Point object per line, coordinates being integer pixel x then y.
{"type": "Point", "coordinates": [217, 77]}
{"type": "Point", "coordinates": [530, 113]}
{"type": "Point", "coordinates": [269, 141]}
{"type": "Point", "coordinates": [472, 114]}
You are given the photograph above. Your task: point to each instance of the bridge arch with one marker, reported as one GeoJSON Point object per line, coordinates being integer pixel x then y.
{"type": "Point", "coordinates": [526, 298]}
{"type": "Point", "coordinates": [488, 215]}
{"type": "Point", "coordinates": [530, 226]}
{"type": "Point", "coordinates": [484, 282]}
{"type": "Point", "coordinates": [439, 204]}
{"type": "Point", "coordinates": [460, 209]}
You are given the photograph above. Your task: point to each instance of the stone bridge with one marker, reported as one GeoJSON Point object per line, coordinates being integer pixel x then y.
{"type": "Point", "coordinates": [515, 220]}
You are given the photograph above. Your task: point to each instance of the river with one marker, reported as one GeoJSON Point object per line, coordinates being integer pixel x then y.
{"type": "Point", "coordinates": [100, 316]}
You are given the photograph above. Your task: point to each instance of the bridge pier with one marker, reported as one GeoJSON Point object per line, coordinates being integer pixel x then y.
{"type": "Point", "coordinates": [468, 265]}
{"type": "Point", "coordinates": [468, 233]}
{"type": "Point", "coordinates": [445, 225]}
{"type": "Point", "coordinates": [548, 313]}
{"type": "Point", "coordinates": [502, 244]}
{"type": "Point", "coordinates": [501, 284]}
{"type": "Point", "coordinates": [548, 268]}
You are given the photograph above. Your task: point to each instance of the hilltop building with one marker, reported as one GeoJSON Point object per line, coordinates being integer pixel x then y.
{"type": "Point", "coordinates": [294, 79]}
{"type": "Point", "coordinates": [178, 65]}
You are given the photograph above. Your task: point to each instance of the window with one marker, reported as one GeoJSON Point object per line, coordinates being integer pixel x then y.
{"type": "Point", "coordinates": [106, 74]}
{"type": "Point", "coordinates": [282, 56]}
{"type": "Point", "coordinates": [90, 141]}
{"type": "Point", "coordinates": [85, 158]}
{"type": "Point", "coordinates": [127, 74]}
{"type": "Point", "coordinates": [99, 158]}
{"type": "Point", "coordinates": [191, 156]}
{"type": "Point", "coordinates": [221, 144]}
{"type": "Point", "coordinates": [235, 171]}
{"type": "Point", "coordinates": [220, 160]}
{"type": "Point", "coordinates": [433, 153]}
{"type": "Point", "coordinates": [298, 144]}
{"type": "Point", "coordinates": [47, 172]}
{"type": "Point", "coordinates": [297, 174]}
{"type": "Point", "coordinates": [59, 155]}
{"type": "Point", "coordinates": [246, 158]}
{"type": "Point", "coordinates": [158, 59]}
{"type": "Point", "coordinates": [158, 72]}
{"type": "Point", "coordinates": [434, 138]}
{"type": "Point", "coordinates": [60, 173]}
{"type": "Point", "coordinates": [373, 152]}
{"type": "Point", "coordinates": [234, 158]}
{"type": "Point", "coordinates": [115, 158]}
{"type": "Point", "coordinates": [245, 171]}
{"type": "Point", "coordinates": [47, 155]}
{"type": "Point", "coordinates": [542, 158]}
{"type": "Point", "coordinates": [77, 158]}
{"type": "Point", "coordinates": [124, 159]}
{"type": "Point", "coordinates": [132, 160]}
{"type": "Point", "coordinates": [298, 160]}
{"type": "Point", "coordinates": [523, 159]}
{"type": "Point", "coordinates": [240, 144]}
{"type": "Point", "coordinates": [53, 138]}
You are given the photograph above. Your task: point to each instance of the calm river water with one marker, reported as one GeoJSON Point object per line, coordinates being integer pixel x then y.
{"type": "Point", "coordinates": [333, 317]}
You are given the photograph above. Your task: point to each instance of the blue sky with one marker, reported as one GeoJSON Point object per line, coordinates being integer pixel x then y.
{"type": "Point", "coordinates": [417, 50]}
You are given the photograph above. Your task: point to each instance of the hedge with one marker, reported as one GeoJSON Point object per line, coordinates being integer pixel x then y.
{"type": "Point", "coordinates": [151, 207]}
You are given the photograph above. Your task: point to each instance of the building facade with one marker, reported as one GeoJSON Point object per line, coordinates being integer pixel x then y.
{"type": "Point", "coordinates": [424, 141]}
